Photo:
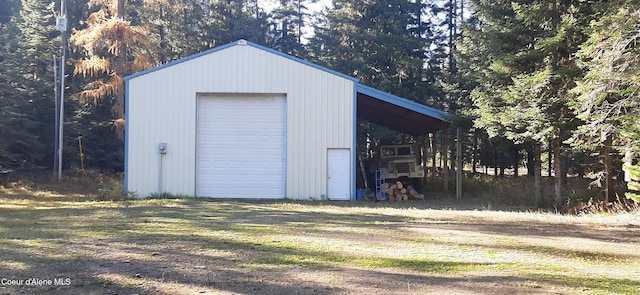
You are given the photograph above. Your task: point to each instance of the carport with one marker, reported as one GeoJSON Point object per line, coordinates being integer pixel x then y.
{"type": "Point", "coordinates": [408, 117]}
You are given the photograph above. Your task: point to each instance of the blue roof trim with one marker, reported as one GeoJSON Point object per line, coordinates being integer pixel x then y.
{"type": "Point", "coordinates": [241, 43]}
{"type": "Point", "coordinates": [405, 103]}
{"type": "Point", "coordinates": [178, 61]}
{"type": "Point", "coordinates": [302, 61]}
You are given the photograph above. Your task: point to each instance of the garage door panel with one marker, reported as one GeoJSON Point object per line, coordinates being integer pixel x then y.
{"type": "Point", "coordinates": [241, 146]}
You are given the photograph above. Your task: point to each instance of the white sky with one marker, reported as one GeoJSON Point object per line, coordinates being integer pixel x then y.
{"type": "Point", "coordinates": [269, 5]}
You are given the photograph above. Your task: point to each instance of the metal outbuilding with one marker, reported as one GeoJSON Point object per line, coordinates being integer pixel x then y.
{"type": "Point", "coordinates": [246, 121]}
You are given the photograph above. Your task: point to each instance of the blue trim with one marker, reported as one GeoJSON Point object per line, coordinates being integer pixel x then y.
{"type": "Point", "coordinates": [402, 102]}
{"type": "Point", "coordinates": [126, 138]}
{"type": "Point", "coordinates": [354, 149]}
{"type": "Point", "coordinates": [302, 61]}
{"type": "Point", "coordinates": [179, 61]}
{"type": "Point", "coordinates": [238, 43]}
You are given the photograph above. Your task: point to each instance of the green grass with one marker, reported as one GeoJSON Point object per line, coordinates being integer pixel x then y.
{"type": "Point", "coordinates": [172, 246]}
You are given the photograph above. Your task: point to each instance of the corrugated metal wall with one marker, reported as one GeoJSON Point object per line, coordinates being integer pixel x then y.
{"type": "Point", "coordinates": [162, 107]}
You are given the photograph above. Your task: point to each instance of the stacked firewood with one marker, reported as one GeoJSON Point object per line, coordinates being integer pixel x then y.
{"type": "Point", "coordinates": [398, 192]}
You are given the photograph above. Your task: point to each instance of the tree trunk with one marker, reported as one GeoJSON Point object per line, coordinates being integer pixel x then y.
{"type": "Point", "coordinates": [516, 161]}
{"type": "Point", "coordinates": [564, 171]}
{"type": "Point", "coordinates": [474, 160]}
{"type": "Point", "coordinates": [459, 161]}
{"type": "Point", "coordinates": [530, 163]}
{"type": "Point", "coordinates": [549, 160]}
{"type": "Point", "coordinates": [557, 167]}
{"type": "Point", "coordinates": [120, 9]}
{"type": "Point", "coordinates": [495, 162]}
{"type": "Point", "coordinates": [608, 170]}
{"type": "Point", "coordinates": [537, 175]}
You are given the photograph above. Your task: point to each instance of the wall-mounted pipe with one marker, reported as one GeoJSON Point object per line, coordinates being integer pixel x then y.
{"type": "Point", "coordinates": [162, 150]}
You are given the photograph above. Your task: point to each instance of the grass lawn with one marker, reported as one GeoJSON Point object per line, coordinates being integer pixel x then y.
{"type": "Point", "coordinates": [64, 243]}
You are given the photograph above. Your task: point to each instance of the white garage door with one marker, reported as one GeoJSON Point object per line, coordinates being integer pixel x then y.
{"type": "Point", "coordinates": [241, 146]}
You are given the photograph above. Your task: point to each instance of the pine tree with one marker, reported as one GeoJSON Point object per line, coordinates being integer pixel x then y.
{"type": "Point", "coordinates": [112, 49]}
{"type": "Point", "coordinates": [609, 94]}
{"type": "Point", "coordinates": [528, 48]}
{"type": "Point", "coordinates": [26, 80]}
{"type": "Point", "coordinates": [174, 25]}
{"type": "Point", "coordinates": [287, 26]}
{"type": "Point", "coordinates": [227, 21]}
{"type": "Point", "coordinates": [382, 43]}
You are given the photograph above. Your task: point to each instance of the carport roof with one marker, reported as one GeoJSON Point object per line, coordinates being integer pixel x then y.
{"type": "Point", "coordinates": [398, 113]}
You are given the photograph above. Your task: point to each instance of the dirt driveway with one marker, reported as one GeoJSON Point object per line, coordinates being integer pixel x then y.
{"type": "Point", "coordinates": [229, 247]}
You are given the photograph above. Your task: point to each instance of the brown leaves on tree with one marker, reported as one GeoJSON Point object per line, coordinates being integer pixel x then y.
{"type": "Point", "coordinates": [113, 48]}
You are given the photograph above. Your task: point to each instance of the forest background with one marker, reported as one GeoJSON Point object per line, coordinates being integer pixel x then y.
{"type": "Point", "coordinates": [529, 81]}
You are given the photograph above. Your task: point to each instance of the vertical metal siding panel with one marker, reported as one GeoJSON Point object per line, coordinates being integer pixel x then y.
{"type": "Point", "coordinates": [183, 134]}
{"type": "Point", "coordinates": [139, 140]}
{"type": "Point", "coordinates": [258, 65]}
{"type": "Point", "coordinates": [327, 128]}
{"type": "Point", "coordinates": [301, 135]}
{"type": "Point", "coordinates": [345, 120]}
{"type": "Point", "coordinates": [314, 82]}
{"type": "Point", "coordinates": [147, 147]}
{"type": "Point", "coordinates": [164, 131]}
{"type": "Point", "coordinates": [315, 146]}
{"type": "Point", "coordinates": [297, 140]}
{"type": "Point", "coordinates": [310, 144]}
{"type": "Point", "coordinates": [326, 121]}
{"type": "Point", "coordinates": [301, 141]}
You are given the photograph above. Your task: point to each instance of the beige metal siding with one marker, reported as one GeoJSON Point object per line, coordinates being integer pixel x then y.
{"type": "Point", "coordinates": [162, 108]}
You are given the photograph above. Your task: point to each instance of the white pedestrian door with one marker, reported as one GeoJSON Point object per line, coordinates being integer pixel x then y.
{"type": "Point", "coordinates": [339, 174]}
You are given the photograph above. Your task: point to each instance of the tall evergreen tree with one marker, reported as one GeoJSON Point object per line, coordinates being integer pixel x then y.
{"type": "Point", "coordinates": [174, 26]}
{"type": "Point", "coordinates": [228, 21]}
{"type": "Point", "coordinates": [609, 95]}
{"type": "Point", "coordinates": [529, 47]}
{"type": "Point", "coordinates": [27, 100]}
{"type": "Point", "coordinates": [289, 21]}
{"type": "Point", "coordinates": [382, 43]}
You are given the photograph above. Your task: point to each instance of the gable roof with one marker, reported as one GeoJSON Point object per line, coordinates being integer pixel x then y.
{"type": "Point", "coordinates": [373, 105]}
{"type": "Point", "coordinates": [240, 43]}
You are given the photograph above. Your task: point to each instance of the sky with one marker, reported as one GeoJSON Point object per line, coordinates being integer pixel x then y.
{"type": "Point", "coordinates": [270, 4]}
{"type": "Point", "coordinates": [317, 7]}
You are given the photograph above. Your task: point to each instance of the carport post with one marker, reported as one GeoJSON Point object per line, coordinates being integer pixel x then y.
{"type": "Point", "coordinates": [445, 158]}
